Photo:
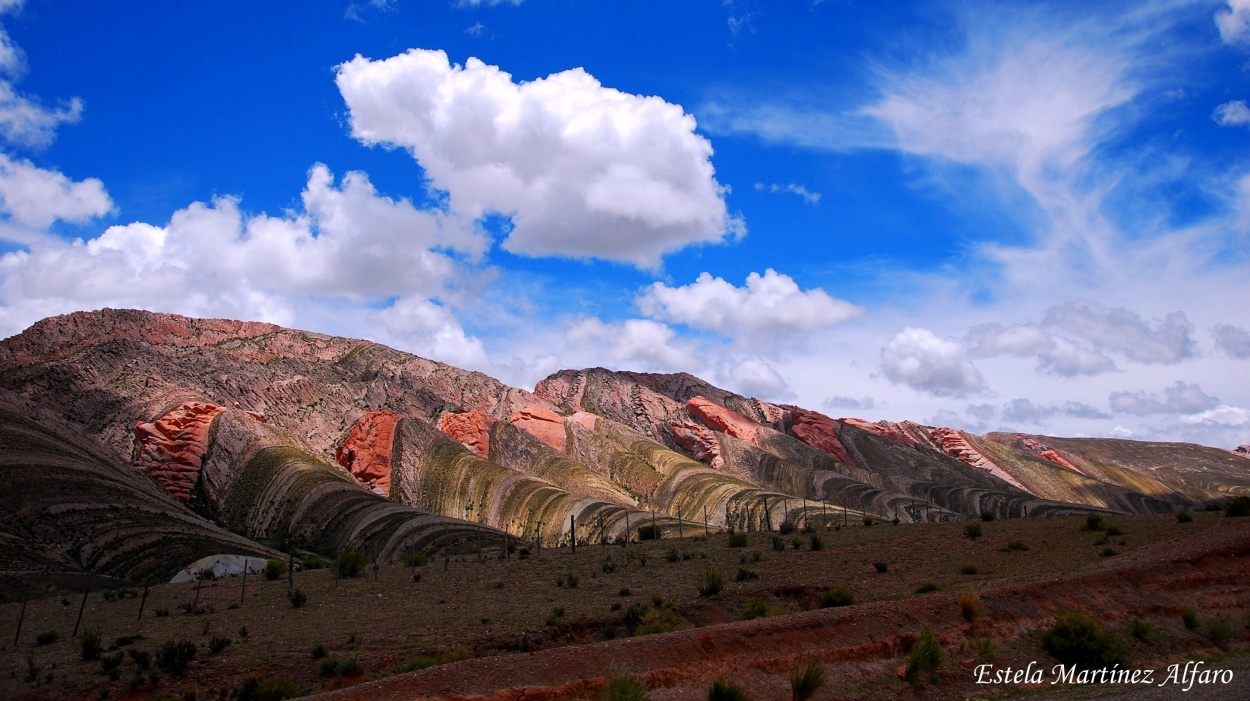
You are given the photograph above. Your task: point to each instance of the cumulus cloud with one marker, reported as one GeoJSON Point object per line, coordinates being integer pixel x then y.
{"type": "Point", "coordinates": [34, 197]}
{"type": "Point", "coordinates": [1123, 331]}
{"type": "Point", "coordinates": [1180, 398]}
{"type": "Point", "coordinates": [924, 361]}
{"type": "Point", "coordinates": [1233, 340]}
{"type": "Point", "coordinates": [635, 344]}
{"type": "Point", "coordinates": [584, 171]}
{"type": "Point", "coordinates": [25, 121]}
{"type": "Point", "coordinates": [1082, 410]}
{"type": "Point", "coordinates": [348, 244]}
{"type": "Point", "coordinates": [1055, 355]}
{"type": "Point", "coordinates": [1234, 113]}
{"type": "Point", "coordinates": [1025, 411]}
{"type": "Point", "coordinates": [754, 377]}
{"type": "Point", "coordinates": [1219, 417]}
{"type": "Point", "coordinates": [792, 188]}
{"type": "Point", "coordinates": [1233, 21]}
{"type": "Point", "coordinates": [768, 307]}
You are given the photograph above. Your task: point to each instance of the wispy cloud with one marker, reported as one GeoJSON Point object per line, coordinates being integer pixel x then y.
{"type": "Point", "coordinates": [792, 188]}
{"type": "Point", "coordinates": [1234, 113]}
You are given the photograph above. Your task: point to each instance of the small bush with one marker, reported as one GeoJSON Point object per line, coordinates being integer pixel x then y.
{"type": "Point", "coordinates": [1184, 516]}
{"type": "Point", "coordinates": [274, 568]}
{"type": "Point", "coordinates": [712, 582]}
{"type": "Point", "coordinates": [757, 608]}
{"type": "Point", "coordinates": [926, 586]}
{"type": "Point", "coordinates": [415, 560]}
{"type": "Point", "coordinates": [657, 620]}
{"type": "Point", "coordinates": [972, 529]}
{"type": "Point", "coordinates": [796, 542]}
{"type": "Point", "coordinates": [987, 516]}
{"type": "Point", "coordinates": [1077, 639]}
{"type": "Point", "coordinates": [868, 520]}
{"type": "Point", "coordinates": [1141, 630]}
{"type": "Point", "coordinates": [745, 574]}
{"type": "Point", "coordinates": [297, 598]}
{"type": "Point", "coordinates": [779, 543]}
{"type": "Point", "coordinates": [881, 567]}
{"type": "Point", "coordinates": [969, 606]}
{"type": "Point", "coordinates": [349, 667]}
{"type": "Point", "coordinates": [243, 633]}
{"type": "Point", "coordinates": [1094, 522]}
{"type": "Point", "coordinates": [1113, 530]}
{"type": "Point", "coordinates": [724, 690]}
{"type": "Point", "coordinates": [608, 566]}
{"type": "Point", "coordinates": [1016, 546]}
{"type": "Point", "coordinates": [571, 580]}
{"type": "Point", "coordinates": [1237, 507]}
{"type": "Point", "coordinates": [622, 687]}
{"type": "Point", "coordinates": [161, 613]}
{"type": "Point", "coordinates": [328, 667]}
{"type": "Point", "coordinates": [738, 540]}
{"type": "Point", "coordinates": [985, 648]}
{"type": "Point", "coordinates": [925, 656]}
{"type": "Point", "coordinates": [648, 532]}
{"type": "Point", "coordinates": [1109, 552]}
{"type": "Point", "coordinates": [217, 644]}
{"type": "Point", "coordinates": [786, 527]}
{"type": "Point", "coordinates": [815, 542]}
{"type": "Point", "coordinates": [141, 658]}
{"type": "Point", "coordinates": [632, 616]}
{"type": "Point", "coordinates": [837, 596]}
{"type": "Point", "coordinates": [173, 657]}
{"type": "Point", "coordinates": [805, 681]}
{"type": "Point", "coordinates": [672, 555]}
{"type": "Point", "coordinates": [46, 638]}
{"type": "Point", "coordinates": [266, 689]}
{"type": "Point", "coordinates": [318, 651]}
{"type": "Point", "coordinates": [109, 664]}
{"type": "Point", "coordinates": [1190, 619]}
{"type": "Point", "coordinates": [969, 569]}
{"type": "Point", "coordinates": [1219, 631]}
{"type": "Point", "coordinates": [350, 563]}
{"type": "Point", "coordinates": [89, 644]}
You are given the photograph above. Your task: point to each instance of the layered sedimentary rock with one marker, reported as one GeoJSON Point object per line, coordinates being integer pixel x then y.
{"type": "Point", "coordinates": [541, 423]}
{"type": "Point", "coordinates": [955, 444]}
{"type": "Point", "coordinates": [700, 442]}
{"type": "Point", "coordinates": [366, 453]}
{"type": "Point", "coordinates": [171, 448]}
{"type": "Point", "coordinates": [885, 429]}
{"type": "Point", "coordinates": [718, 418]}
{"type": "Point", "coordinates": [471, 428]}
{"type": "Point", "coordinates": [816, 430]}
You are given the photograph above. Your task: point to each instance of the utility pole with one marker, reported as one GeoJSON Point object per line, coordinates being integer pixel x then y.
{"type": "Point", "coordinates": [21, 616]}
{"type": "Point", "coordinates": [80, 610]}
{"type": "Point", "coordinates": [705, 527]}
{"type": "Point", "coordinates": [573, 532]}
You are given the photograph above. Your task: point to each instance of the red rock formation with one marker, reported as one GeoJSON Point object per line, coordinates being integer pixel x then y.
{"type": "Point", "coordinates": [171, 449]}
{"type": "Point", "coordinates": [818, 431]}
{"type": "Point", "coordinates": [1041, 450]}
{"type": "Point", "coordinates": [700, 442]}
{"type": "Point", "coordinates": [471, 428]}
{"type": "Point", "coordinates": [1055, 457]}
{"type": "Point", "coordinates": [541, 423]}
{"type": "Point", "coordinates": [718, 418]}
{"type": "Point", "coordinates": [955, 444]}
{"type": "Point", "coordinates": [885, 429]}
{"type": "Point", "coordinates": [367, 451]}
{"type": "Point", "coordinates": [585, 419]}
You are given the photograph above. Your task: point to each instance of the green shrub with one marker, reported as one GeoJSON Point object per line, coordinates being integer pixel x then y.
{"type": "Point", "coordinates": [266, 689]}
{"type": "Point", "coordinates": [318, 651]}
{"type": "Point", "coordinates": [415, 560]}
{"type": "Point", "coordinates": [89, 644]}
{"type": "Point", "coordinates": [786, 527]}
{"type": "Point", "coordinates": [1109, 552]}
{"type": "Point", "coordinates": [1094, 522]}
{"type": "Point", "coordinates": [609, 565]}
{"type": "Point", "coordinates": [1141, 630]}
{"type": "Point", "coordinates": [329, 667]}
{"type": "Point", "coordinates": [1113, 530]}
{"type": "Point", "coordinates": [217, 644]}
{"type": "Point", "coordinates": [969, 569]}
{"type": "Point", "coordinates": [1237, 506]}
{"type": "Point", "coordinates": [46, 638]}
{"type": "Point", "coordinates": [779, 543]}
{"type": "Point", "coordinates": [926, 586]}
{"type": "Point", "coordinates": [109, 664]}
{"type": "Point", "coordinates": [738, 540]}
{"type": "Point", "coordinates": [1219, 631]}
{"type": "Point", "coordinates": [972, 529]}
{"type": "Point", "coordinates": [712, 582]}
{"type": "Point", "coordinates": [724, 690]}
{"type": "Point", "coordinates": [757, 608]}
{"type": "Point", "coordinates": [1190, 618]}
{"type": "Point", "coordinates": [805, 681]}
{"type": "Point", "coordinates": [815, 542]}
{"type": "Point", "coordinates": [141, 658]}
{"type": "Point", "coordinates": [1016, 546]}
{"type": "Point", "coordinates": [348, 667]}
{"type": "Point", "coordinates": [1077, 639]}
{"type": "Point", "coordinates": [173, 657]}
{"type": "Point", "coordinates": [297, 598]}
{"type": "Point", "coordinates": [868, 520]}
{"type": "Point", "coordinates": [969, 606]}
{"type": "Point", "coordinates": [1184, 516]}
{"type": "Point", "coordinates": [745, 574]}
{"type": "Point", "coordinates": [837, 596]}
{"type": "Point", "coordinates": [350, 563]}
{"type": "Point", "coordinates": [985, 648]}
{"type": "Point", "coordinates": [622, 687]}
{"type": "Point", "coordinates": [925, 656]}
{"type": "Point", "coordinates": [274, 568]}
{"type": "Point", "coordinates": [657, 620]}
{"type": "Point", "coordinates": [672, 555]}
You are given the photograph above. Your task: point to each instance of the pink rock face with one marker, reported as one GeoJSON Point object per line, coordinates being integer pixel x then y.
{"type": "Point", "coordinates": [884, 429]}
{"type": "Point", "coordinates": [171, 449]}
{"type": "Point", "coordinates": [718, 418]}
{"type": "Point", "coordinates": [818, 431]}
{"type": "Point", "coordinates": [585, 419]}
{"type": "Point", "coordinates": [471, 428]}
{"type": "Point", "coordinates": [955, 444]}
{"type": "Point", "coordinates": [701, 443]}
{"type": "Point", "coordinates": [1041, 450]}
{"type": "Point", "coordinates": [1055, 457]}
{"type": "Point", "coordinates": [541, 423]}
{"type": "Point", "coordinates": [367, 451]}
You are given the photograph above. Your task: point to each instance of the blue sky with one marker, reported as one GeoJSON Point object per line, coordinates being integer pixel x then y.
{"type": "Point", "coordinates": [1031, 218]}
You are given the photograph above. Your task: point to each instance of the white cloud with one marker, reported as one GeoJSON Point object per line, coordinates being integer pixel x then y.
{"type": "Point", "coordinates": [1233, 340]}
{"type": "Point", "coordinates": [924, 361]}
{"type": "Point", "coordinates": [1220, 416]}
{"type": "Point", "coordinates": [355, 11]}
{"type": "Point", "coordinates": [34, 197]}
{"type": "Point", "coordinates": [431, 330]}
{"type": "Point", "coordinates": [1055, 355]}
{"type": "Point", "coordinates": [792, 188]}
{"type": "Point", "coordinates": [755, 377]}
{"type": "Point", "coordinates": [1234, 113]}
{"type": "Point", "coordinates": [1180, 398]}
{"type": "Point", "coordinates": [1166, 341]}
{"type": "Point", "coordinates": [635, 344]}
{"type": "Point", "coordinates": [769, 307]}
{"type": "Point", "coordinates": [1233, 21]}
{"type": "Point", "coordinates": [854, 403]}
{"type": "Point", "coordinates": [583, 171]}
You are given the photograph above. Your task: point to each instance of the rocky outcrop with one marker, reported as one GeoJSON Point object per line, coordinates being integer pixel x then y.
{"type": "Point", "coordinates": [700, 442]}
{"type": "Point", "coordinates": [471, 428]}
{"type": "Point", "coordinates": [817, 430]}
{"type": "Point", "coordinates": [541, 423]}
{"type": "Point", "coordinates": [171, 448]}
{"type": "Point", "coordinates": [885, 429]}
{"type": "Point", "coordinates": [368, 449]}
{"type": "Point", "coordinates": [955, 444]}
{"type": "Point", "coordinates": [1242, 450]}
{"type": "Point", "coordinates": [718, 418]}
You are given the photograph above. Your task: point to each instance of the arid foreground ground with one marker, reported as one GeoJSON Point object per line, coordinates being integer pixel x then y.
{"type": "Point", "coordinates": [554, 625]}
